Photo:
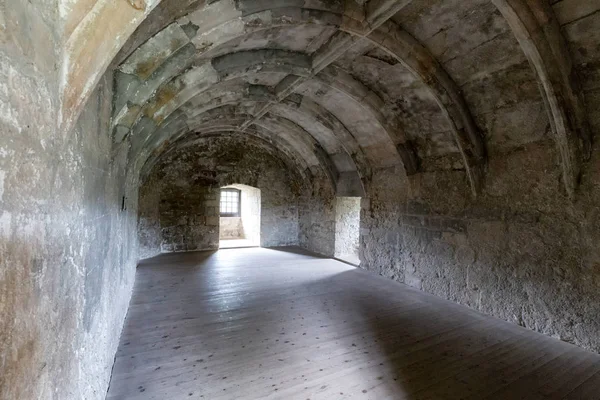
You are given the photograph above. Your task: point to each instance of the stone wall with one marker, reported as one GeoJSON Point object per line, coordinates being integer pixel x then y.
{"type": "Point", "coordinates": [317, 219]}
{"type": "Point", "coordinates": [521, 251]}
{"type": "Point", "coordinates": [149, 231]}
{"type": "Point", "coordinates": [347, 228]}
{"type": "Point", "coordinates": [67, 223]}
{"type": "Point", "coordinates": [189, 216]}
{"type": "Point", "coordinates": [417, 97]}
{"type": "Point", "coordinates": [181, 190]}
{"type": "Point", "coordinates": [231, 228]}
{"type": "Point", "coordinates": [177, 215]}
{"type": "Point", "coordinates": [250, 209]}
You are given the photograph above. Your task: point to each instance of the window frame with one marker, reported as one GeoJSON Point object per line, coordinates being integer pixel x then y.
{"type": "Point", "coordinates": [239, 203]}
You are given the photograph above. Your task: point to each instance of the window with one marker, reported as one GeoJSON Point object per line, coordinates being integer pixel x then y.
{"type": "Point", "coordinates": [230, 203]}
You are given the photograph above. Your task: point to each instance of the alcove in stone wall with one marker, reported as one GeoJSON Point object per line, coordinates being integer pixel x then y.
{"type": "Point", "coordinates": [242, 229]}
{"type": "Point", "coordinates": [347, 229]}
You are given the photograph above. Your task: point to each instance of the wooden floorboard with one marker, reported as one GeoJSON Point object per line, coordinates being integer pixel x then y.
{"type": "Point", "coordinates": [283, 324]}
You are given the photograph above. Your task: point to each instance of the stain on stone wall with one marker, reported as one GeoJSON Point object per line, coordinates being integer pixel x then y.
{"type": "Point", "coordinates": [67, 249]}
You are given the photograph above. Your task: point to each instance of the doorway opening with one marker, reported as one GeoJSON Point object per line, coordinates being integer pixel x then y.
{"type": "Point", "coordinates": [239, 216]}
{"type": "Point", "coordinates": [347, 229]}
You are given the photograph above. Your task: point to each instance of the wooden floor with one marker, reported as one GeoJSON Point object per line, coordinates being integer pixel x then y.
{"type": "Point", "coordinates": [236, 243]}
{"type": "Point", "coordinates": [281, 324]}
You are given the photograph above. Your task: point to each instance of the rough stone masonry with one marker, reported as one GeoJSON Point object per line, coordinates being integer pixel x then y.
{"type": "Point", "coordinates": [467, 128]}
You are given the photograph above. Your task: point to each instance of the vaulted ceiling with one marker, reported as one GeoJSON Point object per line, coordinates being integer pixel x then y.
{"type": "Point", "coordinates": [343, 88]}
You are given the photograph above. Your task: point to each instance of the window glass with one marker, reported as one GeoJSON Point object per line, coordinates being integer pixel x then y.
{"type": "Point", "coordinates": [230, 203]}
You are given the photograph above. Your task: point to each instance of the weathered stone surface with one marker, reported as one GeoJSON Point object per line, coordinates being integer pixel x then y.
{"type": "Point", "coordinates": [307, 100]}
{"type": "Point", "coordinates": [231, 228]}
{"type": "Point", "coordinates": [317, 220]}
{"type": "Point", "coordinates": [347, 228]}
{"type": "Point", "coordinates": [67, 256]}
{"type": "Point", "coordinates": [521, 251]}
{"type": "Point", "coordinates": [179, 199]}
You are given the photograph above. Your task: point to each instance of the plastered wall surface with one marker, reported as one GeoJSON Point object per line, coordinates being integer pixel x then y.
{"type": "Point", "coordinates": [67, 249]}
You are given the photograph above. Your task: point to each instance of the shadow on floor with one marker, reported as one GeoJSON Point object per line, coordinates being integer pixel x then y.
{"type": "Point", "coordinates": [181, 258]}
{"type": "Point", "coordinates": [296, 250]}
{"type": "Point", "coordinates": [446, 351]}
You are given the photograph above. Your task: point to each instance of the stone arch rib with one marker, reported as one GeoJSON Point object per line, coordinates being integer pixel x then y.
{"type": "Point", "coordinates": [416, 58]}
{"type": "Point", "coordinates": [538, 32]}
